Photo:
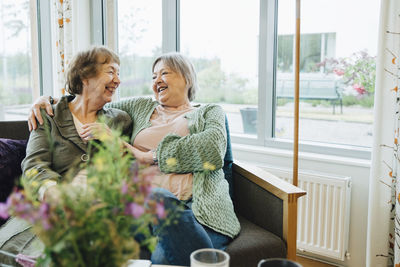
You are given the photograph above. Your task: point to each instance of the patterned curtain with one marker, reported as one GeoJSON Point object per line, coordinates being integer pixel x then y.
{"type": "Point", "coordinates": [383, 239]}
{"type": "Point", "coordinates": [63, 39]}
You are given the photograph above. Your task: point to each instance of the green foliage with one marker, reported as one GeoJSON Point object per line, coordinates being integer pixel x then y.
{"type": "Point", "coordinates": [366, 101]}
{"type": "Point", "coordinates": [16, 82]}
{"type": "Point", "coordinates": [135, 75]}
{"type": "Point", "coordinates": [94, 224]}
{"type": "Point", "coordinates": [211, 80]}
{"type": "Point", "coordinates": [357, 71]}
{"type": "Point", "coordinates": [219, 87]}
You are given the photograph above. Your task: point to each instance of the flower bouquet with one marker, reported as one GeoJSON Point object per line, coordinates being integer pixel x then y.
{"type": "Point", "coordinates": [357, 71]}
{"type": "Point", "coordinates": [98, 224]}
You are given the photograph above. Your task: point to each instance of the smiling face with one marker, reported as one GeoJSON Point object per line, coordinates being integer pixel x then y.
{"type": "Point", "coordinates": [102, 87]}
{"type": "Point", "coordinates": [169, 86]}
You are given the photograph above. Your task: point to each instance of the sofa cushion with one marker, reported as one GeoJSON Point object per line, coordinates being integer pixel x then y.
{"type": "Point", "coordinates": [12, 152]}
{"type": "Point", "coordinates": [254, 244]}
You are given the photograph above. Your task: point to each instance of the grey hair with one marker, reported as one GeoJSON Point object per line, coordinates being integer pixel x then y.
{"type": "Point", "coordinates": [180, 63]}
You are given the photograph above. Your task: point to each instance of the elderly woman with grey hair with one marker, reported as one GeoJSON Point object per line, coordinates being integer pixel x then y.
{"type": "Point", "coordinates": [186, 144]}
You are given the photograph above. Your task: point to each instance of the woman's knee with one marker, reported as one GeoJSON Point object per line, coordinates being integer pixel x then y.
{"type": "Point", "coordinates": [163, 195]}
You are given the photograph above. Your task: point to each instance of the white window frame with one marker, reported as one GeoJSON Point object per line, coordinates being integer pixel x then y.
{"type": "Point", "coordinates": [267, 76]}
{"type": "Point", "coordinates": [45, 55]}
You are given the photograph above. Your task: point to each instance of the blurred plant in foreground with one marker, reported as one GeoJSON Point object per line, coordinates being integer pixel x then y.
{"type": "Point", "coordinates": [93, 225]}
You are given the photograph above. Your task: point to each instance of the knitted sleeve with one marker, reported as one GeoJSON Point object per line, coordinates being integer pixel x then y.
{"type": "Point", "coordinates": [126, 105]}
{"type": "Point", "coordinates": [136, 107]}
{"type": "Point", "coordinates": [196, 152]}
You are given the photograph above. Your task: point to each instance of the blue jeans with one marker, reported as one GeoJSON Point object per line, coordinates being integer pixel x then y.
{"type": "Point", "coordinates": [176, 241]}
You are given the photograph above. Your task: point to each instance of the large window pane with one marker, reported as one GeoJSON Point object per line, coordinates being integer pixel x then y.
{"type": "Point", "coordinates": [337, 71]}
{"type": "Point", "coordinates": [16, 85]}
{"type": "Point", "coordinates": [139, 41]}
{"type": "Point", "coordinates": [221, 38]}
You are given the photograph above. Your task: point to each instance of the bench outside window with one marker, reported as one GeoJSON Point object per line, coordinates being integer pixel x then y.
{"type": "Point", "coordinates": [318, 89]}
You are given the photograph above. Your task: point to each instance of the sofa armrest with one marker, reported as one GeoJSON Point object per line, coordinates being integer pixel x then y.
{"type": "Point", "coordinates": [268, 202]}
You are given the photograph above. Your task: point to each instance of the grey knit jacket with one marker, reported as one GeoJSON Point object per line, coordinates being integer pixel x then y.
{"type": "Point", "coordinates": [198, 153]}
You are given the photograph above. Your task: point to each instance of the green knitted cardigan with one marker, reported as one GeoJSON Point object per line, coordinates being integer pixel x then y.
{"type": "Point", "coordinates": [197, 153]}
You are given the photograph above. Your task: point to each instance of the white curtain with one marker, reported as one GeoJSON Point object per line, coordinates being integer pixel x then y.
{"type": "Point", "coordinates": [383, 240]}
{"type": "Point", "coordinates": [63, 39]}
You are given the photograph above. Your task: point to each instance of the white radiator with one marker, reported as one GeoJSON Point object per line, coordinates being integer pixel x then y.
{"type": "Point", "coordinates": [323, 214]}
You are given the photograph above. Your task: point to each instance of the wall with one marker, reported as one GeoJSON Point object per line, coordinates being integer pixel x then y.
{"type": "Point", "coordinates": [357, 169]}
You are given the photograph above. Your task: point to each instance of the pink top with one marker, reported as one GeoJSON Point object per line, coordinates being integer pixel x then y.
{"type": "Point", "coordinates": [164, 122]}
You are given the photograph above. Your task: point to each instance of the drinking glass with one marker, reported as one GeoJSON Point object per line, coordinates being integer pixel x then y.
{"type": "Point", "coordinates": [209, 257]}
{"type": "Point", "coordinates": [277, 262]}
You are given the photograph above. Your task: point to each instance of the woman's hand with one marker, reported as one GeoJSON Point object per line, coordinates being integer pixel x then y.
{"type": "Point", "coordinates": [99, 131]}
{"type": "Point", "coordinates": [34, 114]}
{"type": "Point", "coordinates": [142, 157]}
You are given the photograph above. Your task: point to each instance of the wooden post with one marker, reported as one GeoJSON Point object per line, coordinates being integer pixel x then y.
{"type": "Point", "coordinates": [292, 227]}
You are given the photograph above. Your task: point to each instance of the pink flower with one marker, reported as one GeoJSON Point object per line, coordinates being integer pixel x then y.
{"type": "Point", "coordinates": [26, 261]}
{"type": "Point", "coordinates": [44, 210]}
{"type": "Point", "coordinates": [134, 209]}
{"type": "Point", "coordinates": [160, 210]}
{"type": "Point", "coordinates": [124, 188]}
{"type": "Point", "coordinates": [22, 207]}
{"type": "Point", "coordinates": [46, 224]}
{"type": "Point", "coordinates": [359, 88]}
{"type": "Point", "coordinates": [338, 72]}
{"type": "Point", "coordinates": [4, 211]}
{"type": "Point", "coordinates": [145, 189]}
{"type": "Point", "coordinates": [44, 215]}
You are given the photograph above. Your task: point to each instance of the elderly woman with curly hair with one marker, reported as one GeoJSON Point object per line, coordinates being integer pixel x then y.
{"type": "Point", "coordinates": [92, 80]}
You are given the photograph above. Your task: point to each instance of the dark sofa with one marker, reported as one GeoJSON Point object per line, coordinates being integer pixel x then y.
{"type": "Point", "coordinates": [266, 205]}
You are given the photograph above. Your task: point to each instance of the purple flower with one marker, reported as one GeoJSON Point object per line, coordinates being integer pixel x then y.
{"type": "Point", "coordinates": [160, 210]}
{"type": "Point", "coordinates": [22, 207]}
{"type": "Point", "coordinates": [26, 261]}
{"type": "Point", "coordinates": [4, 211]}
{"type": "Point", "coordinates": [46, 224]}
{"type": "Point", "coordinates": [44, 210]}
{"type": "Point", "coordinates": [124, 188]}
{"type": "Point", "coordinates": [44, 215]}
{"type": "Point", "coordinates": [134, 209]}
{"type": "Point", "coordinates": [135, 179]}
{"type": "Point", "coordinates": [145, 189]}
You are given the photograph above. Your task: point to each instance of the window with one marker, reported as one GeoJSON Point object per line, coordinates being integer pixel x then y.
{"type": "Point", "coordinates": [244, 56]}
{"type": "Point", "coordinates": [139, 42]}
{"type": "Point", "coordinates": [335, 108]}
{"type": "Point", "coordinates": [16, 79]}
{"type": "Point", "coordinates": [224, 50]}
